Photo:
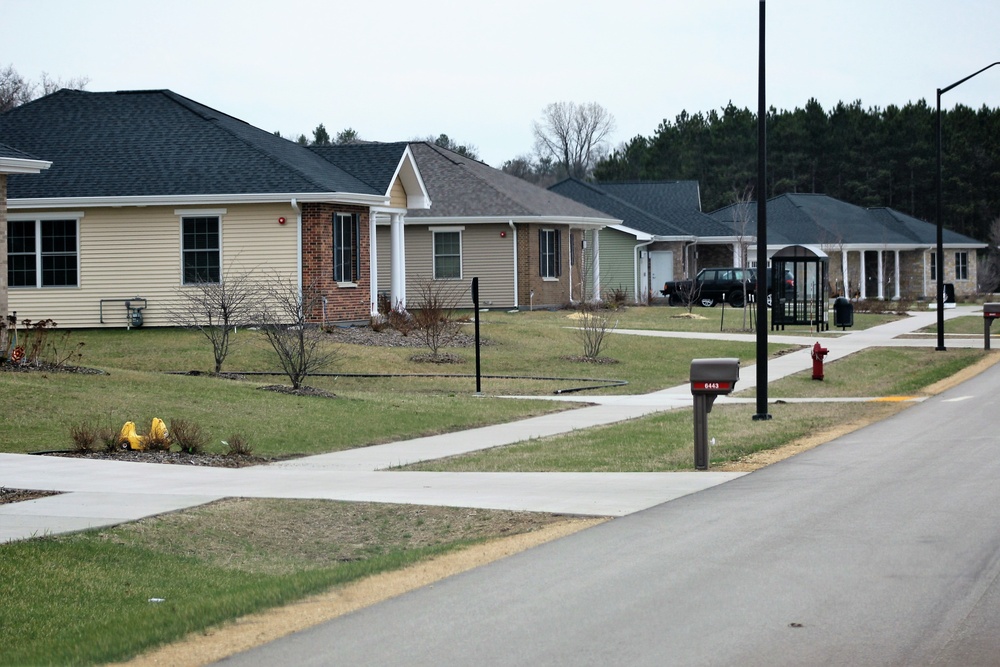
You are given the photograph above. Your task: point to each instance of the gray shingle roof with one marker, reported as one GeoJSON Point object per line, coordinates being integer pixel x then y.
{"type": "Point", "coordinates": [661, 208]}
{"type": "Point", "coordinates": [820, 219]}
{"type": "Point", "coordinates": [372, 162]}
{"type": "Point", "coordinates": [11, 152]}
{"type": "Point", "coordinates": [463, 188]}
{"type": "Point", "coordinates": [156, 143]}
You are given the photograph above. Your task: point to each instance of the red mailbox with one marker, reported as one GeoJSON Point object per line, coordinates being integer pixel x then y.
{"type": "Point", "coordinates": [818, 353]}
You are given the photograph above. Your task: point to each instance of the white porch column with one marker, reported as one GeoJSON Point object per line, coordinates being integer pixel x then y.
{"type": "Point", "coordinates": [863, 287]}
{"type": "Point", "coordinates": [597, 265]}
{"type": "Point", "coordinates": [373, 264]}
{"type": "Point", "coordinates": [843, 269]}
{"type": "Point", "coordinates": [881, 277]}
{"type": "Point", "coordinates": [896, 294]}
{"type": "Point", "coordinates": [398, 254]}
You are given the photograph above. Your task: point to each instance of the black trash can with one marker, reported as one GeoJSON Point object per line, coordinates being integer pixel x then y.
{"type": "Point", "coordinates": [843, 312]}
{"type": "Point", "coordinates": [949, 293]}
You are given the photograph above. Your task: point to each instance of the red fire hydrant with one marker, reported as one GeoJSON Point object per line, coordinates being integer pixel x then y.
{"type": "Point", "coordinates": [817, 355]}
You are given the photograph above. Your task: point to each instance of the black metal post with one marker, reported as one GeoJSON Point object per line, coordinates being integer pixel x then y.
{"type": "Point", "coordinates": [475, 308]}
{"type": "Point", "coordinates": [939, 262]}
{"type": "Point", "coordinates": [762, 413]}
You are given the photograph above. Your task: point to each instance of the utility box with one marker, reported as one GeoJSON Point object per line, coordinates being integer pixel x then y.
{"type": "Point", "coordinates": [709, 378]}
{"type": "Point", "coordinates": [991, 311]}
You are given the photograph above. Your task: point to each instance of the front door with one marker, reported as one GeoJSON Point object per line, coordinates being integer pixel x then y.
{"type": "Point", "coordinates": [661, 269]}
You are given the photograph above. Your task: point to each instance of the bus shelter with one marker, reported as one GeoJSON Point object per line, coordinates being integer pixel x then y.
{"type": "Point", "coordinates": [799, 287]}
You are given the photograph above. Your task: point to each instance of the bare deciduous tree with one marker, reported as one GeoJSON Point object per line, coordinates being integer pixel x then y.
{"type": "Point", "coordinates": [301, 348]}
{"type": "Point", "coordinates": [16, 90]}
{"type": "Point", "coordinates": [433, 312]}
{"type": "Point", "coordinates": [217, 309]}
{"type": "Point", "coordinates": [574, 135]}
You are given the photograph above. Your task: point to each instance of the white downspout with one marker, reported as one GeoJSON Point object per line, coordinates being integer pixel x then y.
{"type": "Point", "coordinates": [596, 253]}
{"type": "Point", "coordinates": [638, 271]}
{"type": "Point", "coordinates": [513, 228]}
{"type": "Point", "coordinates": [298, 244]}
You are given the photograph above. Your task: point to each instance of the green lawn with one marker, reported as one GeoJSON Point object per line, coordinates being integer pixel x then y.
{"type": "Point", "coordinates": [533, 351]}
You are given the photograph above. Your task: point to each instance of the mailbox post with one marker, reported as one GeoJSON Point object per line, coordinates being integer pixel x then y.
{"type": "Point", "coordinates": [991, 311]}
{"type": "Point", "coordinates": [709, 378]}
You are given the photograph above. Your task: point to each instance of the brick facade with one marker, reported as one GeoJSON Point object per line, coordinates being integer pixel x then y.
{"type": "Point", "coordinates": [344, 303]}
{"type": "Point", "coordinates": [547, 292]}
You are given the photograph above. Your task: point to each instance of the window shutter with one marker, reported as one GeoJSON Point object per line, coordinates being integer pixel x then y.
{"type": "Point", "coordinates": [558, 252]}
{"type": "Point", "coordinates": [541, 252]}
{"type": "Point", "coordinates": [357, 248]}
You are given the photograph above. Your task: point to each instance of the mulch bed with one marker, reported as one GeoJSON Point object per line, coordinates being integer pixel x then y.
{"type": "Point", "coordinates": [42, 367]}
{"type": "Point", "coordinates": [175, 458]}
{"type": "Point", "coordinates": [20, 495]}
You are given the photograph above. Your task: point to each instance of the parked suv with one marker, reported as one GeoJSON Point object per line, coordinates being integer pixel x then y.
{"type": "Point", "coordinates": [712, 285]}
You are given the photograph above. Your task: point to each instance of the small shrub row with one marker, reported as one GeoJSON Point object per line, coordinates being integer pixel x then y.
{"type": "Point", "coordinates": [188, 437]}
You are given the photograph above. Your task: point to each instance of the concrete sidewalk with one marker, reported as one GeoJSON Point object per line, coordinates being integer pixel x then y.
{"type": "Point", "coordinates": [102, 493]}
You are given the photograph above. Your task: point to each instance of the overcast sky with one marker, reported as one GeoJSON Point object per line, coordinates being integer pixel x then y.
{"type": "Point", "coordinates": [482, 72]}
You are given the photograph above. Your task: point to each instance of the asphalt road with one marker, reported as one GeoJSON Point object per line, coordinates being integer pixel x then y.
{"type": "Point", "coordinates": [880, 548]}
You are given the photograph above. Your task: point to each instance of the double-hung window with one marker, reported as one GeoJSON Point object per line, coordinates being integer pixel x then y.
{"type": "Point", "coordinates": [549, 260]}
{"type": "Point", "coordinates": [933, 264]}
{"type": "Point", "coordinates": [201, 248]}
{"type": "Point", "coordinates": [447, 255]}
{"type": "Point", "coordinates": [43, 253]}
{"type": "Point", "coordinates": [961, 266]}
{"type": "Point", "coordinates": [346, 247]}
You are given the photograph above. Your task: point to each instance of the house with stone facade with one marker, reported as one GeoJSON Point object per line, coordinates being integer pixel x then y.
{"type": "Point", "coordinates": [151, 193]}
{"type": "Point", "coordinates": [874, 253]}
{"type": "Point", "coordinates": [877, 253]}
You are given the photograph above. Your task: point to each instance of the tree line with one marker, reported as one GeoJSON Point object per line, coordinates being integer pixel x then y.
{"type": "Point", "coordinates": [866, 156]}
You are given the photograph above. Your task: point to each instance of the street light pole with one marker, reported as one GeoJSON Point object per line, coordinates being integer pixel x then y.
{"type": "Point", "coordinates": [939, 261]}
{"type": "Point", "coordinates": [762, 413]}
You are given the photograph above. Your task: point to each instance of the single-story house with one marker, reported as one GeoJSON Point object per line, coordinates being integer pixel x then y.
{"type": "Point", "coordinates": [874, 252]}
{"type": "Point", "coordinates": [151, 193]}
{"type": "Point", "coordinates": [529, 247]}
{"type": "Point", "coordinates": [12, 161]}
{"type": "Point", "coordinates": [663, 234]}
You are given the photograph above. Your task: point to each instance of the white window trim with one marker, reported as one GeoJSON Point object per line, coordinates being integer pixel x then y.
{"type": "Point", "coordinates": [37, 218]}
{"type": "Point", "coordinates": [557, 239]}
{"type": "Point", "coordinates": [461, 250]}
{"type": "Point", "coordinates": [347, 284]}
{"type": "Point", "coordinates": [198, 213]}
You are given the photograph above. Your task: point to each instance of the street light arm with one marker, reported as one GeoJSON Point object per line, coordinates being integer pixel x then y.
{"type": "Point", "coordinates": [939, 245]}
{"type": "Point", "coordinates": [942, 91]}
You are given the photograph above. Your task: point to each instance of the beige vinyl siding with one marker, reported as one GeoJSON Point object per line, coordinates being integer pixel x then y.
{"type": "Point", "coordinates": [485, 254]}
{"type": "Point", "coordinates": [383, 255]}
{"type": "Point", "coordinates": [397, 195]}
{"type": "Point", "coordinates": [136, 252]}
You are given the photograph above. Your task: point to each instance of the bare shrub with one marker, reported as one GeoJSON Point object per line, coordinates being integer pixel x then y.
{"type": "Point", "coordinates": [401, 321]}
{"type": "Point", "coordinates": [688, 294]}
{"type": "Point", "coordinates": [595, 325]}
{"type": "Point", "coordinates": [84, 436]}
{"type": "Point", "coordinates": [434, 314]}
{"type": "Point", "coordinates": [616, 298]}
{"type": "Point", "coordinates": [238, 445]}
{"type": "Point", "coordinates": [61, 352]}
{"type": "Point", "coordinates": [301, 348]}
{"type": "Point", "coordinates": [216, 310]}
{"type": "Point", "coordinates": [188, 436]}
